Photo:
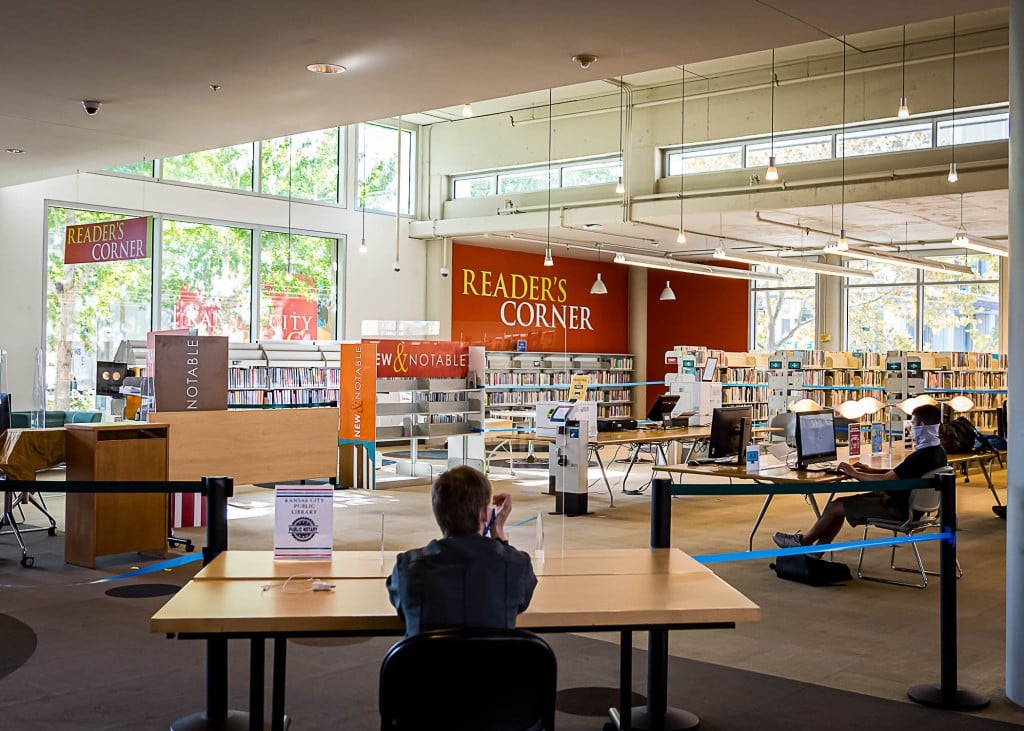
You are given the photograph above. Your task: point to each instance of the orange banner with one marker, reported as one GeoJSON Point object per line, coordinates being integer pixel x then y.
{"type": "Point", "coordinates": [357, 399]}
{"type": "Point", "coordinates": [508, 300]}
{"type": "Point", "coordinates": [421, 358]}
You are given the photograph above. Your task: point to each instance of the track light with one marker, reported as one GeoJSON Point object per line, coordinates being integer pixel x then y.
{"type": "Point", "coordinates": [467, 110]}
{"type": "Point", "coordinates": [620, 258]}
{"type": "Point", "coordinates": [667, 293]}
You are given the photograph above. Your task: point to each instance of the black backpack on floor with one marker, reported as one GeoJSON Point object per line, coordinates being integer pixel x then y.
{"type": "Point", "coordinates": [813, 571]}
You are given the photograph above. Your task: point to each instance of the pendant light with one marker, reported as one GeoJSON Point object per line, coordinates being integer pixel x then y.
{"type": "Point", "coordinates": [681, 236]}
{"type": "Point", "coordinates": [843, 244]}
{"type": "Point", "coordinates": [598, 287]}
{"type": "Point", "coordinates": [467, 110]}
{"type": "Point", "coordinates": [960, 238]}
{"type": "Point", "coordinates": [620, 187]}
{"type": "Point", "coordinates": [904, 110]}
{"type": "Point", "coordinates": [362, 177]}
{"type": "Point", "coordinates": [985, 246]}
{"type": "Point", "coordinates": [952, 177]}
{"type": "Point", "coordinates": [667, 293]}
{"type": "Point", "coordinates": [772, 173]}
{"type": "Point", "coordinates": [548, 261]}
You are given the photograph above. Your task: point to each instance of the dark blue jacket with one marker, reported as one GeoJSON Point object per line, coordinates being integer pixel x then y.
{"type": "Point", "coordinates": [461, 582]}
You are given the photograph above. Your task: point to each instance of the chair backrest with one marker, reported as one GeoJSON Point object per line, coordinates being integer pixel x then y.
{"type": "Point", "coordinates": [468, 680]}
{"type": "Point", "coordinates": [785, 420]}
{"type": "Point", "coordinates": [926, 500]}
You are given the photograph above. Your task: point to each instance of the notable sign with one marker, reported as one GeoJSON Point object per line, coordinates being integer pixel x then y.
{"type": "Point", "coordinates": [357, 400]}
{"type": "Point", "coordinates": [578, 387]}
{"type": "Point", "coordinates": [877, 437]}
{"type": "Point", "coordinates": [502, 297]}
{"type": "Point", "coordinates": [88, 243]}
{"type": "Point", "coordinates": [853, 438]}
{"type": "Point", "coordinates": [303, 522]}
{"type": "Point", "coordinates": [190, 372]}
{"type": "Point", "coordinates": [421, 359]}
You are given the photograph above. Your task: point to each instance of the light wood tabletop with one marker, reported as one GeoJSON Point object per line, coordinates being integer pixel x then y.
{"type": "Point", "coordinates": [241, 565]}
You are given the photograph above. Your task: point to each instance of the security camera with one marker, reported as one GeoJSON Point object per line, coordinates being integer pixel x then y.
{"type": "Point", "coordinates": [91, 107]}
{"type": "Point", "coordinates": [444, 271]}
{"type": "Point", "coordinates": [584, 60]}
{"type": "Point", "coordinates": [396, 266]}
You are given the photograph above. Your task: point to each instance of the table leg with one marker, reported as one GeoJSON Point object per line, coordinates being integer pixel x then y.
{"type": "Point", "coordinates": [634, 455]}
{"type": "Point", "coordinates": [277, 717]}
{"type": "Point", "coordinates": [986, 467]}
{"type": "Point", "coordinates": [625, 679]}
{"type": "Point", "coordinates": [757, 523]}
{"type": "Point", "coordinates": [600, 463]}
{"type": "Point", "coordinates": [257, 657]}
{"type": "Point", "coordinates": [814, 504]}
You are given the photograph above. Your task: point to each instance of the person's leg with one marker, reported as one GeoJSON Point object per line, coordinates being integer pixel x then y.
{"type": "Point", "coordinates": [828, 525]}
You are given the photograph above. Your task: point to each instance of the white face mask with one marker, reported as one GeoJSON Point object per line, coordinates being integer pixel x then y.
{"type": "Point", "coordinates": [925, 435]}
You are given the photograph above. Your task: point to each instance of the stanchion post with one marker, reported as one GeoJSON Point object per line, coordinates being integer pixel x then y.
{"type": "Point", "coordinates": [946, 694]}
{"type": "Point", "coordinates": [218, 490]}
{"type": "Point", "coordinates": [661, 513]}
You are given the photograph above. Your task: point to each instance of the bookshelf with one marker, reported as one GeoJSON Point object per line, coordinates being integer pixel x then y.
{"type": "Point", "coordinates": [283, 374]}
{"type": "Point", "coordinates": [427, 407]}
{"type": "Point", "coordinates": [518, 381]}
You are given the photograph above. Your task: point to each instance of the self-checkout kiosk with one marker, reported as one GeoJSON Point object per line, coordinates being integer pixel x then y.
{"type": "Point", "coordinates": [785, 381]}
{"type": "Point", "coordinates": [572, 424]}
{"type": "Point", "coordinates": [904, 379]}
{"type": "Point", "coordinates": [699, 393]}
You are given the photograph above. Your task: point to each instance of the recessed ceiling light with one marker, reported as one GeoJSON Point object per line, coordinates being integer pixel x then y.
{"type": "Point", "coordinates": [325, 68]}
{"type": "Point", "coordinates": [15, 150]}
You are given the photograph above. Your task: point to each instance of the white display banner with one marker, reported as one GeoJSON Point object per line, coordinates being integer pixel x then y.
{"type": "Point", "coordinates": [303, 522]}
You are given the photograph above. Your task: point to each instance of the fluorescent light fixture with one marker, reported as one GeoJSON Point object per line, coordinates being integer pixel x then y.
{"type": "Point", "coordinates": [778, 261]}
{"type": "Point", "coordinates": [670, 265]}
{"type": "Point", "coordinates": [467, 110]}
{"type": "Point", "coordinates": [598, 287]}
{"type": "Point", "coordinates": [985, 246]}
{"type": "Point", "coordinates": [926, 264]}
{"type": "Point", "coordinates": [772, 173]}
{"type": "Point", "coordinates": [620, 258]}
{"type": "Point", "coordinates": [667, 293]}
{"type": "Point", "coordinates": [326, 68]}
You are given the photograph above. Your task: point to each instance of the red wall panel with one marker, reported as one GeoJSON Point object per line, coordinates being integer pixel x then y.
{"type": "Point", "coordinates": [709, 311]}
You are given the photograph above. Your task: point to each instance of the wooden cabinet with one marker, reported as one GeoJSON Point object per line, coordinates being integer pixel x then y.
{"type": "Point", "coordinates": [98, 524]}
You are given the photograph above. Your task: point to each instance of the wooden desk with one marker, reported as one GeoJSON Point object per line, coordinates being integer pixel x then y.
{"type": "Point", "coordinates": [98, 524]}
{"type": "Point", "coordinates": [23, 452]}
{"type": "Point", "coordinates": [645, 590]}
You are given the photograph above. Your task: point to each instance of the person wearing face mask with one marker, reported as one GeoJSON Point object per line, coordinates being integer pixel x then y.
{"type": "Point", "coordinates": [928, 455]}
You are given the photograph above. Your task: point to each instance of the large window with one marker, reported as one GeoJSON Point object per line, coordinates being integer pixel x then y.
{"type": "Point", "coordinates": [90, 309]}
{"type": "Point", "coordinates": [784, 315]}
{"type": "Point", "coordinates": [298, 287]}
{"type": "Point", "coordinates": [303, 166]}
{"type": "Point", "coordinates": [225, 167]}
{"type": "Point", "coordinates": [206, 278]}
{"type": "Point", "coordinates": [378, 168]}
{"type": "Point", "coordinates": [919, 310]}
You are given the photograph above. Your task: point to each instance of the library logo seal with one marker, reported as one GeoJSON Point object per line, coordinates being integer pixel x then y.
{"type": "Point", "coordinates": [302, 529]}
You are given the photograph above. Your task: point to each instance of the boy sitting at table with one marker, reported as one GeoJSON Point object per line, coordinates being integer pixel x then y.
{"type": "Point", "coordinates": [471, 577]}
{"type": "Point", "coordinates": [928, 455]}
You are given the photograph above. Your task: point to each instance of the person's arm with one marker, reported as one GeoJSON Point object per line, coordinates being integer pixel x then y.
{"type": "Point", "coordinates": [866, 473]}
{"type": "Point", "coordinates": [393, 591]}
{"type": "Point", "coordinates": [502, 503]}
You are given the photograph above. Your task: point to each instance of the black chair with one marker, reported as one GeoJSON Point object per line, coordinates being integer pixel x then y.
{"type": "Point", "coordinates": [469, 680]}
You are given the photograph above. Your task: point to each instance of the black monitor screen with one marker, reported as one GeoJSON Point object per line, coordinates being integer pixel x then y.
{"type": "Point", "coordinates": [727, 431]}
{"type": "Point", "coordinates": [815, 438]}
{"type": "Point", "coordinates": [5, 412]}
{"type": "Point", "coordinates": [662, 409]}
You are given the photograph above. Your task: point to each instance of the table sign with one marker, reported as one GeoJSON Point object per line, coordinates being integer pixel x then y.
{"type": "Point", "coordinates": [753, 458]}
{"type": "Point", "coordinates": [853, 438]}
{"type": "Point", "coordinates": [578, 387]}
{"type": "Point", "coordinates": [877, 430]}
{"type": "Point", "coordinates": [303, 522]}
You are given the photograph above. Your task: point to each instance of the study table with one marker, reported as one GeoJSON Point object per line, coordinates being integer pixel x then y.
{"type": "Point", "coordinates": [586, 590]}
{"type": "Point", "coordinates": [23, 452]}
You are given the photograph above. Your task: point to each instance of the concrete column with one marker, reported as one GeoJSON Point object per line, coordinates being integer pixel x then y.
{"type": "Point", "coordinates": [1015, 375]}
{"type": "Point", "coordinates": [638, 336]}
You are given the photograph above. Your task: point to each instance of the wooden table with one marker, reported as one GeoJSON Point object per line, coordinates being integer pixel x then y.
{"type": "Point", "coordinates": [23, 452]}
{"type": "Point", "coordinates": [621, 590]}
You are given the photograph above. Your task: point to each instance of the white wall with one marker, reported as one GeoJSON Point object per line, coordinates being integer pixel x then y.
{"type": "Point", "coordinates": [370, 288]}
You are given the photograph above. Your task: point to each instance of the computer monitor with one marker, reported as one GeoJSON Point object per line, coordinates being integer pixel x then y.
{"type": "Point", "coordinates": [815, 438]}
{"type": "Point", "coordinates": [730, 432]}
{"type": "Point", "coordinates": [710, 368]}
{"type": "Point", "coordinates": [5, 412]}
{"type": "Point", "coordinates": [661, 412]}
{"type": "Point", "coordinates": [560, 414]}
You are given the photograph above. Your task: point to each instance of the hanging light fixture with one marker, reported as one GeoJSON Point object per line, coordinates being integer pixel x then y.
{"type": "Point", "coordinates": [598, 287]}
{"type": "Point", "coordinates": [976, 243]}
{"type": "Point", "coordinates": [667, 293]}
{"type": "Point", "coordinates": [359, 193]}
{"type": "Point", "coordinates": [467, 110]}
{"type": "Point", "coordinates": [620, 187]}
{"type": "Point", "coordinates": [681, 236]}
{"type": "Point", "coordinates": [904, 110]}
{"type": "Point", "coordinates": [952, 177]}
{"type": "Point", "coordinates": [960, 238]}
{"type": "Point", "coordinates": [548, 260]}
{"type": "Point", "coordinates": [842, 244]}
{"type": "Point", "coordinates": [778, 261]}
{"type": "Point", "coordinates": [772, 173]}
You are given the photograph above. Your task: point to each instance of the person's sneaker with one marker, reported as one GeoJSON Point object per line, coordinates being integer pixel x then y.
{"type": "Point", "coordinates": [787, 540]}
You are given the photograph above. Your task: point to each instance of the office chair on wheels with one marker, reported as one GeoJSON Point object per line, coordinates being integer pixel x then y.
{"type": "Point", "coordinates": [924, 503]}
{"type": "Point", "coordinates": [468, 680]}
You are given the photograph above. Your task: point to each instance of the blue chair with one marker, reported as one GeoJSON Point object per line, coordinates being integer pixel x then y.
{"type": "Point", "coordinates": [469, 680]}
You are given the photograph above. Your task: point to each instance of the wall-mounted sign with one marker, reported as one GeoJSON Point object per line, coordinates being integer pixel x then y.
{"type": "Point", "coordinates": [421, 359]}
{"type": "Point", "coordinates": [502, 297]}
{"type": "Point", "coordinates": [88, 243]}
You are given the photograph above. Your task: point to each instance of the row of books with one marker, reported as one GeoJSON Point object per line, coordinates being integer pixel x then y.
{"type": "Point", "coordinates": [292, 397]}
{"type": "Point", "coordinates": [983, 380]}
{"type": "Point", "coordinates": [283, 377]}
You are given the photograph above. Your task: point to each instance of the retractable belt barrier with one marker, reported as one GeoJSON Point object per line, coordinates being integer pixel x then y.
{"type": "Point", "coordinates": [944, 695]}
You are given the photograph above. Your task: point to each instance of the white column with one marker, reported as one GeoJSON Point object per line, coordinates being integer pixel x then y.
{"type": "Point", "coordinates": [1015, 375]}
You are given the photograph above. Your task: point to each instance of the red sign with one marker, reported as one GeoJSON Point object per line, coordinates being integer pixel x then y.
{"type": "Point", "coordinates": [357, 399]}
{"type": "Point", "coordinates": [88, 243]}
{"type": "Point", "coordinates": [421, 359]}
{"type": "Point", "coordinates": [501, 297]}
